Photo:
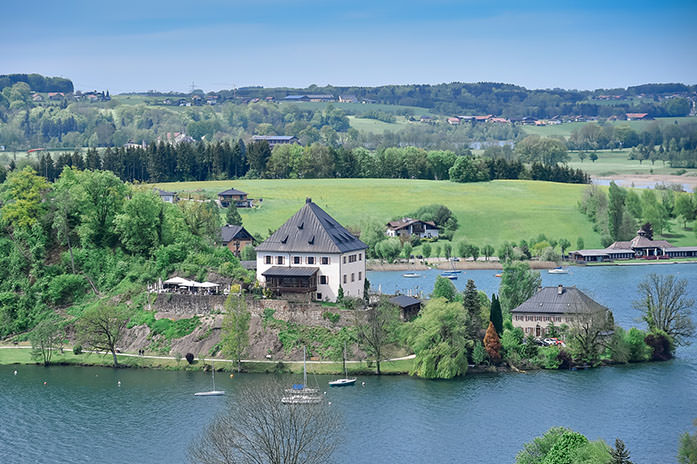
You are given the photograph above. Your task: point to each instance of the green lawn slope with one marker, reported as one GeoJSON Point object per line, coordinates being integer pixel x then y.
{"type": "Point", "coordinates": [487, 212]}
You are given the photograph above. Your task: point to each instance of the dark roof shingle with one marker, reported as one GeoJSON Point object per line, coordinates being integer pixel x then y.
{"type": "Point", "coordinates": [570, 301]}
{"type": "Point", "coordinates": [281, 271]}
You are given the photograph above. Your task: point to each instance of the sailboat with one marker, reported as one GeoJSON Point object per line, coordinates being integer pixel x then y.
{"type": "Point", "coordinates": [301, 393]}
{"type": "Point", "coordinates": [213, 392]}
{"type": "Point", "coordinates": [345, 381]}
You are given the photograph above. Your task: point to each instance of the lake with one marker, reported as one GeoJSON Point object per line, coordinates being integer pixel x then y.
{"type": "Point", "coordinates": [83, 415]}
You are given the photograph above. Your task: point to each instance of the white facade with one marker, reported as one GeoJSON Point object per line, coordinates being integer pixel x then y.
{"type": "Point", "coordinates": [333, 270]}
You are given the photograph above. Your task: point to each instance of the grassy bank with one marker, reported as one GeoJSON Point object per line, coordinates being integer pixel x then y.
{"type": "Point", "coordinates": [488, 212]}
{"type": "Point", "coordinates": [22, 356]}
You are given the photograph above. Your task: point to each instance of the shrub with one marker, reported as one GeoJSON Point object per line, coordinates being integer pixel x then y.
{"type": "Point", "coordinates": [332, 317]}
{"type": "Point", "coordinates": [478, 353]}
{"type": "Point", "coordinates": [661, 345]}
{"type": "Point", "coordinates": [77, 349]}
{"type": "Point", "coordinates": [638, 349]}
{"type": "Point", "coordinates": [549, 357]}
{"type": "Point", "coordinates": [189, 358]}
{"type": "Point", "coordinates": [563, 450]}
{"type": "Point", "coordinates": [66, 288]}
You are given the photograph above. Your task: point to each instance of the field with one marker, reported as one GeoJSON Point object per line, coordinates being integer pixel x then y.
{"type": "Point", "coordinates": [617, 162]}
{"type": "Point", "coordinates": [487, 213]}
{"type": "Point", "coordinates": [362, 108]}
{"type": "Point", "coordinates": [377, 127]}
{"type": "Point", "coordinates": [567, 128]}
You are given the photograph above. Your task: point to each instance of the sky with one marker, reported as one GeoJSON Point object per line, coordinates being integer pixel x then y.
{"type": "Point", "coordinates": [170, 45]}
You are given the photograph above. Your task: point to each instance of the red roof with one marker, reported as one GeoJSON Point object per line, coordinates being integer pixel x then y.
{"type": "Point", "coordinates": [636, 115]}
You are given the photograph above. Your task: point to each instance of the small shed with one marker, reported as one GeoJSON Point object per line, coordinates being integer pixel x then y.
{"type": "Point", "coordinates": [409, 307]}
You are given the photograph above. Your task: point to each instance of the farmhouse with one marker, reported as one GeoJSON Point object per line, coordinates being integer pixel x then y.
{"type": "Point", "coordinates": [169, 197]}
{"type": "Point", "coordinates": [235, 238]}
{"type": "Point", "coordinates": [311, 256]}
{"type": "Point", "coordinates": [453, 121]}
{"type": "Point", "coordinates": [275, 139]}
{"type": "Point", "coordinates": [406, 227]}
{"type": "Point", "coordinates": [637, 116]}
{"type": "Point", "coordinates": [554, 305]}
{"type": "Point", "coordinates": [640, 247]}
{"type": "Point", "coordinates": [348, 99]}
{"type": "Point", "coordinates": [234, 197]}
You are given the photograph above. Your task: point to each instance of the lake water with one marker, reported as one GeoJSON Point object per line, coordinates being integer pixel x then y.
{"type": "Point", "coordinates": [82, 415]}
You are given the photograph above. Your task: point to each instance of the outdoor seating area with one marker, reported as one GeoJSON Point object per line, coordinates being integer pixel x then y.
{"type": "Point", "coordinates": [183, 286]}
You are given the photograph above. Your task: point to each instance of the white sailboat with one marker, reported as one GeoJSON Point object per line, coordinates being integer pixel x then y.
{"type": "Point", "coordinates": [300, 393]}
{"type": "Point", "coordinates": [213, 392]}
{"type": "Point", "coordinates": [345, 381]}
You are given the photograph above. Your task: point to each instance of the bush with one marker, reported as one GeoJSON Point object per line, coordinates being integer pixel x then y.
{"type": "Point", "coordinates": [77, 349]}
{"type": "Point", "coordinates": [563, 450]}
{"type": "Point", "coordinates": [332, 317]}
{"type": "Point", "coordinates": [66, 288]}
{"type": "Point", "coordinates": [189, 358]}
{"type": "Point", "coordinates": [661, 345]}
{"type": "Point", "coordinates": [638, 349]}
{"type": "Point", "coordinates": [549, 357]}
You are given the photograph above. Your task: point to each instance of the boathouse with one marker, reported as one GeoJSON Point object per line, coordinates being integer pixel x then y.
{"type": "Point", "coordinates": [640, 247]}
{"type": "Point", "coordinates": [310, 257]}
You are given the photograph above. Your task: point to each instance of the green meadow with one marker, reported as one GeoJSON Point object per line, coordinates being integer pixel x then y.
{"type": "Point", "coordinates": [617, 162]}
{"type": "Point", "coordinates": [487, 212]}
{"type": "Point", "coordinates": [377, 127]}
{"type": "Point", "coordinates": [567, 128]}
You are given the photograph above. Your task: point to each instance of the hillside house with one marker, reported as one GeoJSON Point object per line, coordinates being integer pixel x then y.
{"type": "Point", "coordinates": [406, 227]}
{"type": "Point", "coordinates": [554, 305]}
{"type": "Point", "coordinates": [454, 121]}
{"type": "Point", "coordinates": [310, 257]}
{"type": "Point", "coordinates": [234, 197]}
{"type": "Point", "coordinates": [235, 238]}
{"type": "Point", "coordinates": [169, 197]}
{"type": "Point", "coordinates": [640, 247]}
{"type": "Point", "coordinates": [409, 307]}
{"type": "Point", "coordinates": [275, 139]}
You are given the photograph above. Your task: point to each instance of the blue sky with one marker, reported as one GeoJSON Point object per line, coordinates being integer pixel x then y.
{"type": "Point", "coordinates": [166, 45]}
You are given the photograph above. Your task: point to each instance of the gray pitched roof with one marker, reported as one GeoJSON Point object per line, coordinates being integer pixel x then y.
{"type": "Point", "coordinates": [403, 301]}
{"type": "Point", "coordinates": [281, 271]}
{"type": "Point", "coordinates": [232, 191]}
{"type": "Point", "coordinates": [274, 138]}
{"type": "Point", "coordinates": [312, 230]}
{"type": "Point", "coordinates": [163, 193]}
{"type": "Point", "coordinates": [549, 300]}
{"type": "Point", "coordinates": [229, 232]}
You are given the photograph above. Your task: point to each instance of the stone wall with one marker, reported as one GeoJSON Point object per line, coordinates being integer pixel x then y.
{"type": "Point", "coordinates": [302, 313]}
{"type": "Point", "coordinates": [173, 303]}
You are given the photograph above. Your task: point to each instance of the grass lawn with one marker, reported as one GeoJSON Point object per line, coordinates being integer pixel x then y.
{"type": "Point", "coordinates": [487, 212]}
{"type": "Point", "coordinates": [616, 162]}
{"type": "Point", "coordinates": [377, 127]}
{"type": "Point", "coordinates": [567, 128]}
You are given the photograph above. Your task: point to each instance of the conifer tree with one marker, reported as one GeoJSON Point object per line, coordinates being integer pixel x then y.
{"type": "Point", "coordinates": [473, 308]}
{"type": "Point", "coordinates": [495, 315]}
{"type": "Point", "coordinates": [492, 344]}
{"type": "Point", "coordinates": [619, 454]}
{"type": "Point", "coordinates": [232, 216]}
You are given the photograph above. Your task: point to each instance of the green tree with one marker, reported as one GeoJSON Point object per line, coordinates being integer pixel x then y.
{"type": "Point", "coordinates": [666, 306]}
{"type": "Point", "coordinates": [232, 216]}
{"type": "Point", "coordinates": [447, 249]}
{"type": "Point", "coordinates": [536, 451]}
{"type": "Point", "coordinates": [46, 337]}
{"type": "Point", "coordinates": [478, 353]}
{"type": "Point", "coordinates": [202, 219]}
{"type": "Point", "coordinates": [389, 249]}
{"type": "Point", "coordinates": [564, 245]}
{"type": "Point", "coordinates": [579, 243]}
{"type": "Point", "coordinates": [687, 450]}
{"type": "Point", "coordinates": [473, 308]}
{"type": "Point", "coordinates": [488, 251]}
{"type": "Point", "coordinates": [620, 454]}
{"type": "Point", "coordinates": [248, 253]}
{"type": "Point", "coordinates": [544, 150]}
{"type": "Point", "coordinates": [518, 283]}
{"type": "Point", "coordinates": [377, 330]}
{"type": "Point", "coordinates": [495, 315]}
{"type": "Point", "coordinates": [103, 327]}
{"type": "Point", "coordinates": [615, 210]}
{"type": "Point", "coordinates": [21, 199]}
{"type": "Point", "coordinates": [406, 250]}
{"type": "Point", "coordinates": [426, 250]}
{"type": "Point", "coordinates": [685, 208]}
{"type": "Point", "coordinates": [234, 338]}
{"type": "Point", "coordinates": [439, 340]}
{"type": "Point", "coordinates": [140, 224]}
{"type": "Point", "coordinates": [444, 288]}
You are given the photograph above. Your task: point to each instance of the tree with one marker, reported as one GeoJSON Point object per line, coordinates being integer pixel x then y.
{"type": "Point", "coordinates": [687, 451]}
{"type": "Point", "coordinates": [21, 199]}
{"type": "Point", "coordinates": [439, 340]}
{"type": "Point", "coordinates": [685, 208]}
{"type": "Point", "coordinates": [234, 338]}
{"type": "Point", "coordinates": [447, 249]}
{"type": "Point", "coordinates": [488, 251]}
{"type": "Point", "coordinates": [377, 330]}
{"type": "Point", "coordinates": [103, 327]}
{"type": "Point", "coordinates": [258, 428]}
{"type": "Point", "coordinates": [45, 338]}
{"type": "Point", "coordinates": [248, 253]}
{"type": "Point", "coordinates": [258, 154]}
{"type": "Point", "coordinates": [473, 309]}
{"type": "Point", "coordinates": [518, 283]}
{"type": "Point", "coordinates": [579, 243]}
{"type": "Point", "coordinates": [615, 210]}
{"type": "Point", "coordinates": [492, 344]}
{"type": "Point", "coordinates": [202, 219]}
{"type": "Point", "coordinates": [388, 249]}
{"type": "Point", "coordinates": [666, 307]}
{"type": "Point", "coordinates": [140, 224]}
{"type": "Point", "coordinates": [620, 454]}
{"type": "Point", "coordinates": [444, 288]}
{"type": "Point", "coordinates": [544, 150]}
{"type": "Point", "coordinates": [564, 245]}
{"type": "Point", "coordinates": [232, 216]}
{"type": "Point", "coordinates": [586, 339]}
{"type": "Point", "coordinates": [426, 250]}
{"type": "Point", "coordinates": [593, 157]}
{"type": "Point", "coordinates": [495, 315]}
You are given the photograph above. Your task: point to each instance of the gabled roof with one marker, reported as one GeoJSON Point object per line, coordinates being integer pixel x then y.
{"type": "Point", "coordinates": [560, 300]}
{"type": "Point", "coordinates": [282, 271]}
{"type": "Point", "coordinates": [163, 193]}
{"type": "Point", "coordinates": [230, 232]}
{"type": "Point", "coordinates": [405, 222]}
{"type": "Point", "coordinates": [272, 138]}
{"type": "Point", "coordinates": [312, 230]}
{"type": "Point", "coordinates": [404, 301]}
{"type": "Point", "coordinates": [232, 191]}
{"type": "Point", "coordinates": [643, 242]}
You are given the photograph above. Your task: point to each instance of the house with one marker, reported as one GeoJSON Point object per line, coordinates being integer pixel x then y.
{"type": "Point", "coordinates": [235, 238]}
{"type": "Point", "coordinates": [499, 120]}
{"type": "Point", "coordinates": [234, 197]}
{"type": "Point", "coordinates": [409, 307]}
{"type": "Point", "coordinates": [554, 305]}
{"type": "Point", "coordinates": [37, 98]}
{"type": "Point", "coordinates": [296, 98]}
{"type": "Point", "coordinates": [483, 118]}
{"type": "Point", "coordinates": [275, 139]}
{"type": "Point", "coordinates": [640, 247]}
{"type": "Point", "coordinates": [453, 121]}
{"type": "Point", "coordinates": [56, 95]}
{"type": "Point", "coordinates": [348, 99]}
{"type": "Point", "coordinates": [637, 116]}
{"type": "Point", "coordinates": [169, 197]}
{"type": "Point", "coordinates": [321, 98]}
{"type": "Point", "coordinates": [310, 257]}
{"type": "Point", "coordinates": [406, 227]}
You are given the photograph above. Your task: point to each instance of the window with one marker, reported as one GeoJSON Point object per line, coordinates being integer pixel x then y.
{"type": "Point", "coordinates": [360, 275]}
{"type": "Point", "coordinates": [325, 259]}
{"type": "Point", "coordinates": [297, 260]}
{"type": "Point", "coordinates": [279, 259]}
{"type": "Point", "coordinates": [344, 278]}
{"type": "Point", "coordinates": [310, 260]}
{"type": "Point", "coordinates": [344, 259]}
{"type": "Point", "coordinates": [352, 259]}
{"type": "Point", "coordinates": [323, 280]}
{"type": "Point", "coordinates": [319, 296]}
{"type": "Point", "coordinates": [353, 277]}
{"type": "Point", "coordinates": [360, 256]}
{"type": "Point", "coordinates": [267, 259]}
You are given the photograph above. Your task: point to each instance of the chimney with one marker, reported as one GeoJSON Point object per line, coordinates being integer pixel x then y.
{"type": "Point", "coordinates": [308, 200]}
{"type": "Point", "coordinates": [560, 289]}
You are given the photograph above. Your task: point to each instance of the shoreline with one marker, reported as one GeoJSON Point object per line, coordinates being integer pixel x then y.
{"type": "Point", "coordinates": [496, 265]}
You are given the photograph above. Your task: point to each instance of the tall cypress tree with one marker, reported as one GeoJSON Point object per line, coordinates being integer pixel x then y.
{"type": "Point", "coordinates": [473, 307]}
{"type": "Point", "coordinates": [495, 315]}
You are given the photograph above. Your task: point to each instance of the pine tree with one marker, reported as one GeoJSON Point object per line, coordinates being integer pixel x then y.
{"type": "Point", "coordinates": [620, 454]}
{"type": "Point", "coordinates": [340, 295]}
{"type": "Point", "coordinates": [495, 315]}
{"type": "Point", "coordinates": [232, 216]}
{"type": "Point", "coordinates": [492, 344]}
{"type": "Point", "coordinates": [473, 308]}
